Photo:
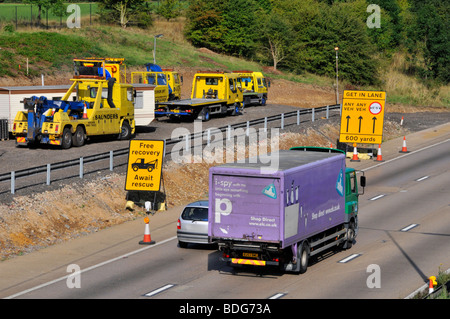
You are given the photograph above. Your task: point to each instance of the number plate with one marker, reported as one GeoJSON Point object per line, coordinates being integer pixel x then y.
{"type": "Point", "coordinates": [251, 255]}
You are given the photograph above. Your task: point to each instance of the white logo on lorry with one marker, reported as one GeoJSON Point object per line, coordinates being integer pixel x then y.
{"type": "Point", "coordinates": [223, 207]}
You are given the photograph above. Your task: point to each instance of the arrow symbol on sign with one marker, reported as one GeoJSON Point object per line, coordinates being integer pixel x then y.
{"type": "Point", "coordinates": [348, 120]}
{"type": "Point", "coordinates": [374, 120]}
{"type": "Point", "coordinates": [360, 120]}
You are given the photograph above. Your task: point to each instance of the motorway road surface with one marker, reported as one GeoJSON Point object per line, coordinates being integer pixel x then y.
{"type": "Point", "coordinates": [404, 230]}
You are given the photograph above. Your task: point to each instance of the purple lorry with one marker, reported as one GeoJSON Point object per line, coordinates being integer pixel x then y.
{"type": "Point", "coordinates": [308, 204]}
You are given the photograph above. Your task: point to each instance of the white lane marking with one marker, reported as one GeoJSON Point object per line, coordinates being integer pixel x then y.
{"type": "Point", "coordinates": [351, 257]}
{"type": "Point", "coordinates": [377, 197]}
{"type": "Point", "coordinates": [409, 227]}
{"type": "Point", "coordinates": [408, 154]}
{"type": "Point", "coordinates": [277, 296]}
{"type": "Point", "coordinates": [91, 268]}
{"type": "Point", "coordinates": [422, 178]}
{"type": "Point", "coordinates": [157, 291]}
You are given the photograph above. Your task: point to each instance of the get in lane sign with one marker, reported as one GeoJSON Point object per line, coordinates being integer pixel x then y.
{"type": "Point", "coordinates": [145, 160]}
{"type": "Point", "coordinates": [362, 117]}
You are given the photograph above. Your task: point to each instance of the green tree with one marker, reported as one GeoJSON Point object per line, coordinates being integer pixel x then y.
{"type": "Point", "coordinates": [169, 9]}
{"type": "Point", "coordinates": [223, 26]}
{"type": "Point", "coordinates": [428, 38]}
{"type": "Point", "coordinates": [204, 24]}
{"type": "Point", "coordinates": [125, 12]}
{"type": "Point", "coordinates": [57, 7]}
{"type": "Point", "coordinates": [276, 35]}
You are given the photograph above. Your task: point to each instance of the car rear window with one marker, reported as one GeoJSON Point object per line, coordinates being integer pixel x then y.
{"type": "Point", "coordinates": [195, 213]}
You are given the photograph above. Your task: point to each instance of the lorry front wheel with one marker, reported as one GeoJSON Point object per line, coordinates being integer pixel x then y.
{"type": "Point", "coordinates": [303, 257]}
{"type": "Point", "coordinates": [350, 236]}
{"type": "Point", "coordinates": [125, 132]}
{"type": "Point", "coordinates": [66, 138]}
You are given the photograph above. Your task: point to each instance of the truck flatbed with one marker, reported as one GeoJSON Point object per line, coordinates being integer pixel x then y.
{"type": "Point", "coordinates": [193, 102]}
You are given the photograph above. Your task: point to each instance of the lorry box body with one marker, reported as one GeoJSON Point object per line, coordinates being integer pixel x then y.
{"type": "Point", "coordinates": [303, 197]}
{"type": "Point", "coordinates": [274, 215]}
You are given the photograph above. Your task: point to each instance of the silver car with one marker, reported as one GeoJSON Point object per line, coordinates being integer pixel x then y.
{"type": "Point", "coordinates": [192, 226]}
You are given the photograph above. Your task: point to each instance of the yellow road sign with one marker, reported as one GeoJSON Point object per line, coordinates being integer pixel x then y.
{"type": "Point", "coordinates": [145, 160]}
{"type": "Point", "coordinates": [362, 117]}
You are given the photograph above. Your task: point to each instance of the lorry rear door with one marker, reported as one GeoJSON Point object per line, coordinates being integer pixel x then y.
{"type": "Point", "coordinates": [245, 208]}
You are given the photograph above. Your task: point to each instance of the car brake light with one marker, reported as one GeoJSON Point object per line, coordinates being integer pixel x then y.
{"type": "Point", "coordinates": [14, 127]}
{"type": "Point", "coordinates": [178, 224]}
{"type": "Point", "coordinates": [56, 128]}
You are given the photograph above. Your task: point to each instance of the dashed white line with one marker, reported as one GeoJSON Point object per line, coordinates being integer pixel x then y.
{"type": "Point", "coordinates": [351, 257]}
{"type": "Point", "coordinates": [91, 268]}
{"type": "Point", "coordinates": [409, 227]}
{"type": "Point", "coordinates": [377, 197]}
{"type": "Point", "coordinates": [277, 296]}
{"type": "Point", "coordinates": [159, 290]}
{"type": "Point", "coordinates": [422, 178]}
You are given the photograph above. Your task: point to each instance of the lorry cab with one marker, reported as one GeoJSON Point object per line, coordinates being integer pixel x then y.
{"type": "Point", "coordinates": [153, 78]}
{"type": "Point", "coordinates": [217, 85]}
{"type": "Point", "coordinates": [253, 81]}
{"type": "Point", "coordinates": [167, 81]}
{"type": "Point", "coordinates": [174, 80]}
{"type": "Point", "coordinates": [254, 86]}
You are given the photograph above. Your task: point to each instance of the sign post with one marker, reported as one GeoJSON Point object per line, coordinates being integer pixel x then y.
{"type": "Point", "coordinates": [362, 117]}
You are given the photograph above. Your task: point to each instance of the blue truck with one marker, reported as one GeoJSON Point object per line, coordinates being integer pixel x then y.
{"type": "Point", "coordinates": [307, 205]}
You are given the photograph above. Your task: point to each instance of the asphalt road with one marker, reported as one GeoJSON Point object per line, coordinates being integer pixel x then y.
{"type": "Point", "coordinates": [406, 191]}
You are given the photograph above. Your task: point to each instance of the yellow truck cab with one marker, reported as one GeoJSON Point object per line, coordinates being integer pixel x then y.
{"type": "Point", "coordinates": [167, 81]}
{"type": "Point", "coordinates": [254, 85]}
{"type": "Point", "coordinates": [103, 105]}
{"type": "Point", "coordinates": [212, 93]}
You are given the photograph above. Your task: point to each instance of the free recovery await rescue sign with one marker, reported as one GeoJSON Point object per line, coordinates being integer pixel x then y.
{"type": "Point", "coordinates": [145, 160]}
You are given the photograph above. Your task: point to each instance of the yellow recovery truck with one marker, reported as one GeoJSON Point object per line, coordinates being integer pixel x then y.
{"type": "Point", "coordinates": [254, 86]}
{"type": "Point", "coordinates": [167, 81]}
{"type": "Point", "coordinates": [212, 93]}
{"type": "Point", "coordinates": [103, 106]}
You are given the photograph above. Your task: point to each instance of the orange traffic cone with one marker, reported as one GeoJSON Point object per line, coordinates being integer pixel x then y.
{"type": "Point", "coordinates": [404, 149]}
{"type": "Point", "coordinates": [147, 237]}
{"type": "Point", "coordinates": [432, 280]}
{"type": "Point", "coordinates": [433, 283]}
{"type": "Point", "coordinates": [84, 112]}
{"type": "Point", "coordinates": [379, 156]}
{"type": "Point", "coordinates": [355, 157]}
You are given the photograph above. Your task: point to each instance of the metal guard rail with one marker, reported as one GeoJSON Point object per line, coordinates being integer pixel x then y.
{"type": "Point", "coordinates": [124, 151]}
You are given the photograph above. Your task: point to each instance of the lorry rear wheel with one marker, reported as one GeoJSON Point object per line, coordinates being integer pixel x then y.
{"type": "Point", "coordinates": [66, 138]}
{"type": "Point", "coordinates": [78, 138]}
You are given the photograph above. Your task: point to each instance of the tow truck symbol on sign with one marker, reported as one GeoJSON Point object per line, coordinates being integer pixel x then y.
{"type": "Point", "coordinates": [140, 164]}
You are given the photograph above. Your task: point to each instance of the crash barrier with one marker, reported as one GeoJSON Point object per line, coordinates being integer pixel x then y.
{"type": "Point", "coordinates": [298, 115]}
